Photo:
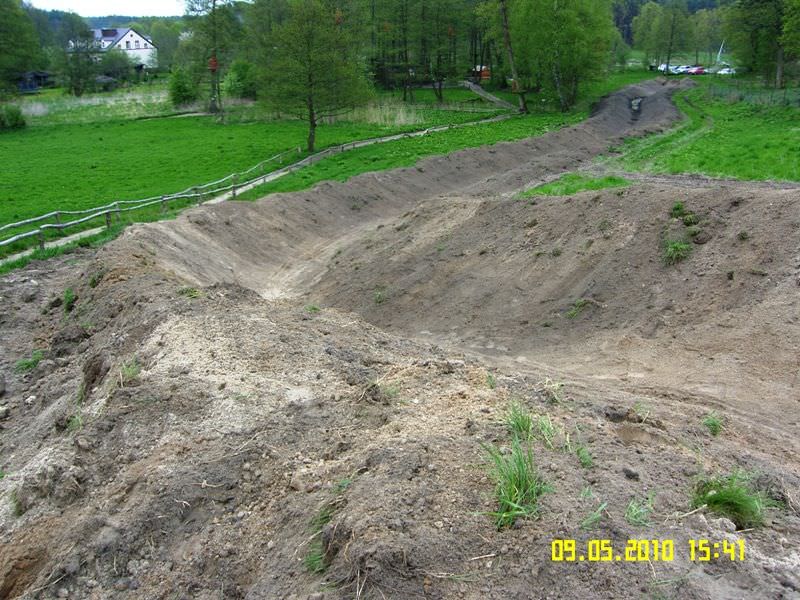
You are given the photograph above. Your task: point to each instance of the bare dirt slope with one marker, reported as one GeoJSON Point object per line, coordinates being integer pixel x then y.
{"type": "Point", "coordinates": [194, 413]}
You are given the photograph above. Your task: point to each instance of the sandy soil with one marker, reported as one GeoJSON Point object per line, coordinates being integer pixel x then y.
{"type": "Point", "coordinates": [194, 411]}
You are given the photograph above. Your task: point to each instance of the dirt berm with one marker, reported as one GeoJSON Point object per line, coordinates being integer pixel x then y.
{"type": "Point", "coordinates": [293, 398]}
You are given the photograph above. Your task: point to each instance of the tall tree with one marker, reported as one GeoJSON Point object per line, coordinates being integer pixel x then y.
{"type": "Point", "coordinates": [314, 73]}
{"type": "Point", "coordinates": [166, 36]}
{"type": "Point", "coordinates": [517, 86]}
{"type": "Point", "coordinates": [78, 49]}
{"type": "Point", "coordinates": [18, 44]}
{"type": "Point", "coordinates": [755, 29]}
{"type": "Point", "coordinates": [791, 27]}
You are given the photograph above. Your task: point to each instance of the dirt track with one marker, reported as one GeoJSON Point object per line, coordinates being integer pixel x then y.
{"type": "Point", "coordinates": [215, 425]}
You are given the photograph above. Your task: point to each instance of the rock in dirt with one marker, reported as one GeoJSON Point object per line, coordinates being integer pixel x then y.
{"type": "Point", "coordinates": [630, 474]}
{"type": "Point", "coordinates": [29, 292]}
{"type": "Point", "coordinates": [4, 412]}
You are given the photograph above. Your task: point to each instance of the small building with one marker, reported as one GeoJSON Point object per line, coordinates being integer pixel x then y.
{"type": "Point", "coordinates": [481, 74]}
{"type": "Point", "coordinates": [31, 82]}
{"type": "Point", "coordinates": [139, 48]}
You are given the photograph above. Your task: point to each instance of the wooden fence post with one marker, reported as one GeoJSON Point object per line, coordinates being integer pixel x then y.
{"type": "Point", "coordinates": [119, 213]}
{"type": "Point", "coordinates": [58, 217]}
{"type": "Point", "coordinates": [108, 219]}
{"type": "Point", "coordinates": [163, 204]}
{"type": "Point", "coordinates": [41, 240]}
{"type": "Point", "coordinates": [233, 192]}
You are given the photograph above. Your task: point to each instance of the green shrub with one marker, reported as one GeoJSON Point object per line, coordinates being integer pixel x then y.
{"type": "Point", "coordinates": [11, 117]}
{"type": "Point", "coordinates": [732, 496]}
{"type": "Point", "coordinates": [240, 81]}
{"type": "Point", "coordinates": [182, 90]}
{"type": "Point", "coordinates": [676, 251]}
{"type": "Point", "coordinates": [678, 210]}
{"type": "Point", "coordinates": [518, 484]}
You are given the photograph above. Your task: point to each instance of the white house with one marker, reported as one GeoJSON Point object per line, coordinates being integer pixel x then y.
{"type": "Point", "coordinates": [139, 49]}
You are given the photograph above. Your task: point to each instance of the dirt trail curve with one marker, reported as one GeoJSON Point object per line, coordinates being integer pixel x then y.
{"type": "Point", "coordinates": [291, 398]}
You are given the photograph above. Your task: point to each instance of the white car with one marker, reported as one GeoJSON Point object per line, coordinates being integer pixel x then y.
{"type": "Point", "coordinates": [727, 71]}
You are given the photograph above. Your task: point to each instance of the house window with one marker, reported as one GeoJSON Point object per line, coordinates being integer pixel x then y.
{"type": "Point", "coordinates": [137, 43]}
{"type": "Point", "coordinates": [128, 45]}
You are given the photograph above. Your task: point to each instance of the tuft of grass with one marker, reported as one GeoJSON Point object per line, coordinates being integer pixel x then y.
{"type": "Point", "coordinates": [552, 390]}
{"type": "Point", "coordinates": [677, 211]}
{"type": "Point", "coordinates": [690, 219]}
{"type": "Point", "coordinates": [518, 485]}
{"type": "Point", "coordinates": [676, 251]}
{"type": "Point", "coordinates": [642, 411]}
{"type": "Point", "coordinates": [572, 183]}
{"type": "Point", "coordinates": [29, 364]}
{"type": "Point", "coordinates": [129, 371]}
{"type": "Point", "coordinates": [69, 300]}
{"type": "Point", "coordinates": [16, 505]}
{"type": "Point", "coordinates": [519, 421]}
{"type": "Point", "coordinates": [594, 517]}
{"type": "Point", "coordinates": [713, 423]}
{"type": "Point", "coordinates": [732, 496]}
{"type": "Point", "coordinates": [555, 252]}
{"type": "Point", "coordinates": [95, 279]}
{"type": "Point", "coordinates": [547, 431]}
{"type": "Point", "coordinates": [587, 493]}
{"type": "Point", "coordinates": [743, 236]}
{"type": "Point", "coordinates": [491, 381]}
{"type": "Point", "coordinates": [2, 474]}
{"type": "Point", "coordinates": [577, 308]}
{"type": "Point", "coordinates": [314, 559]}
{"type": "Point", "coordinates": [639, 511]}
{"type": "Point", "coordinates": [584, 456]}
{"type": "Point", "coordinates": [189, 292]}
{"type": "Point", "coordinates": [313, 309]}
{"type": "Point", "coordinates": [693, 231]}
{"type": "Point", "coordinates": [380, 295]}
{"type": "Point", "coordinates": [75, 423]}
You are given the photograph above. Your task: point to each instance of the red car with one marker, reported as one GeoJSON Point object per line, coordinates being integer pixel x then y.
{"type": "Point", "coordinates": [697, 71]}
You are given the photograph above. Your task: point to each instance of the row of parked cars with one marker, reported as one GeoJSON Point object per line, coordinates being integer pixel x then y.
{"type": "Point", "coordinates": [696, 70]}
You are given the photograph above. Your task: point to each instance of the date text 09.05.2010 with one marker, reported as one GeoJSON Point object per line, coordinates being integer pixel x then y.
{"type": "Point", "coordinates": [644, 551]}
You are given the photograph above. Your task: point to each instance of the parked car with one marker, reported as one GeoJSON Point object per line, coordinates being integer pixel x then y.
{"type": "Point", "coordinates": [682, 69]}
{"type": "Point", "coordinates": [696, 71]}
{"type": "Point", "coordinates": [727, 71]}
{"type": "Point", "coordinates": [672, 69]}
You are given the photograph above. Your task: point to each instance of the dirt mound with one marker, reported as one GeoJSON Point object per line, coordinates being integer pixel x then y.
{"type": "Point", "coordinates": [231, 406]}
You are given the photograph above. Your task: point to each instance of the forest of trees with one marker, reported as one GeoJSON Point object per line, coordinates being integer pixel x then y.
{"type": "Point", "coordinates": [313, 58]}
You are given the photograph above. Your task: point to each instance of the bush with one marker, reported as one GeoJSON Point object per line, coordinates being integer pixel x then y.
{"type": "Point", "coordinates": [182, 90]}
{"type": "Point", "coordinates": [240, 81]}
{"type": "Point", "coordinates": [11, 117]}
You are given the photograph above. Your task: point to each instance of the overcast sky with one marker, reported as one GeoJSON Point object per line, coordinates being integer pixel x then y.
{"type": "Point", "coordinates": [100, 8]}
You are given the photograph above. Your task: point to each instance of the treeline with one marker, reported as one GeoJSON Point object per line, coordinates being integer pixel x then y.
{"type": "Point", "coordinates": [763, 35]}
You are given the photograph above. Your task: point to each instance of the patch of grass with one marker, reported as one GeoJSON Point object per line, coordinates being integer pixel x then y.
{"type": "Point", "coordinates": [743, 236]}
{"type": "Point", "coordinates": [16, 504]}
{"type": "Point", "coordinates": [547, 430]}
{"type": "Point", "coordinates": [577, 308]}
{"type": "Point", "coordinates": [314, 559]}
{"type": "Point", "coordinates": [75, 422]}
{"type": "Point", "coordinates": [190, 292]}
{"type": "Point", "coordinates": [638, 511]}
{"type": "Point", "coordinates": [518, 485]}
{"type": "Point", "coordinates": [29, 364]}
{"type": "Point", "coordinates": [313, 309]}
{"type": "Point", "coordinates": [677, 211]}
{"type": "Point", "coordinates": [380, 295]}
{"type": "Point", "coordinates": [556, 252]}
{"type": "Point", "coordinates": [572, 183]}
{"type": "Point", "coordinates": [713, 423]}
{"type": "Point", "coordinates": [587, 493]}
{"type": "Point", "coordinates": [724, 137]}
{"type": "Point", "coordinates": [552, 390]}
{"type": "Point", "coordinates": [491, 381]}
{"type": "Point", "coordinates": [95, 279]}
{"type": "Point", "coordinates": [676, 251]}
{"type": "Point", "coordinates": [584, 456]}
{"type": "Point", "coordinates": [693, 231]}
{"type": "Point", "coordinates": [690, 219]}
{"type": "Point", "coordinates": [129, 372]}
{"type": "Point", "coordinates": [519, 421]}
{"type": "Point", "coordinates": [642, 411]}
{"type": "Point", "coordinates": [389, 391]}
{"type": "Point", "coordinates": [69, 300]}
{"type": "Point", "coordinates": [734, 497]}
{"type": "Point", "coordinates": [591, 521]}
{"type": "Point", "coordinates": [2, 474]}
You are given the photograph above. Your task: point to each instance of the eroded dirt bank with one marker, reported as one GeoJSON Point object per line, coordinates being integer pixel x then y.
{"type": "Point", "coordinates": [194, 412]}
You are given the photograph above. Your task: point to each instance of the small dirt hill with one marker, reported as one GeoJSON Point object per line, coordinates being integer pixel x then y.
{"type": "Point", "coordinates": [293, 398]}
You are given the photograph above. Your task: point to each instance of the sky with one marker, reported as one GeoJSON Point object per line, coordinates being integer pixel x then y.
{"type": "Point", "coordinates": [101, 8]}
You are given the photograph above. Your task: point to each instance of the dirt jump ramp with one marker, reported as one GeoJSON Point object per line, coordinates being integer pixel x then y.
{"type": "Point", "coordinates": [293, 398]}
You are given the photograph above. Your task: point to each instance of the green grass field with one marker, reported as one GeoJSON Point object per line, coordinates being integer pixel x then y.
{"type": "Point", "coordinates": [72, 167]}
{"type": "Point", "coordinates": [572, 183]}
{"type": "Point", "coordinates": [723, 138]}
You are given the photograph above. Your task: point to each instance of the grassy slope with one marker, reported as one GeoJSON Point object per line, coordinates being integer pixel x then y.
{"type": "Point", "coordinates": [81, 166]}
{"type": "Point", "coordinates": [572, 183]}
{"type": "Point", "coordinates": [405, 153]}
{"type": "Point", "coordinates": [723, 139]}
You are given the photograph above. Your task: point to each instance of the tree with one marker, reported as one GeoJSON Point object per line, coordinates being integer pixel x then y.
{"type": "Point", "coordinates": [165, 37]}
{"type": "Point", "coordinates": [791, 27]}
{"type": "Point", "coordinates": [755, 29]}
{"type": "Point", "coordinates": [78, 46]}
{"type": "Point", "coordinates": [662, 30]}
{"type": "Point", "coordinates": [564, 43]}
{"type": "Point", "coordinates": [116, 64]}
{"type": "Point", "coordinates": [18, 44]}
{"type": "Point", "coordinates": [314, 73]}
{"type": "Point", "coordinates": [504, 19]}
